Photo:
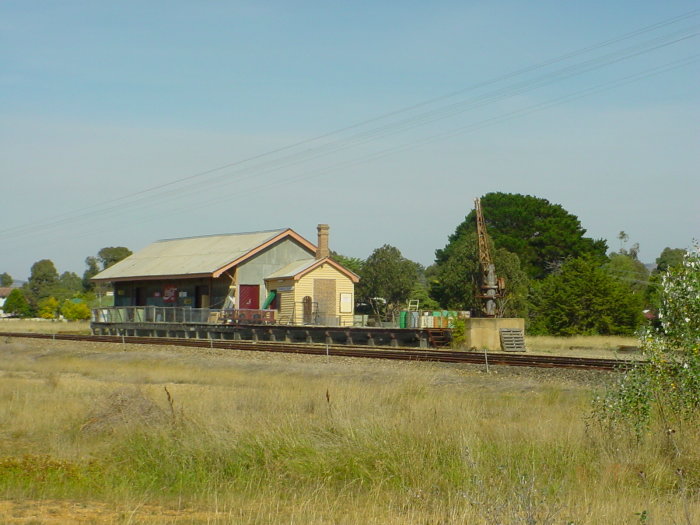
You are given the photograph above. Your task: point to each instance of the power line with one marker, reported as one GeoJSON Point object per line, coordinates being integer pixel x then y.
{"type": "Point", "coordinates": [119, 210]}
{"type": "Point", "coordinates": [225, 197]}
{"type": "Point", "coordinates": [270, 163]}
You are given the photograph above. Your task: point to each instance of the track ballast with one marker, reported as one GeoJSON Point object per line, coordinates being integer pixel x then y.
{"type": "Point", "coordinates": [402, 354]}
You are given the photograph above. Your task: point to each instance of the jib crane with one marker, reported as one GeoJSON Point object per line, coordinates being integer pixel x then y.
{"type": "Point", "coordinates": [492, 287]}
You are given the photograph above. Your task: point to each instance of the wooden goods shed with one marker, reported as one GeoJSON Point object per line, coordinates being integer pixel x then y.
{"type": "Point", "coordinates": [277, 270]}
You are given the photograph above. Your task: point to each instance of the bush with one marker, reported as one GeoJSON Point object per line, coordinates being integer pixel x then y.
{"type": "Point", "coordinates": [74, 311]}
{"type": "Point", "coordinates": [16, 304]}
{"type": "Point", "coordinates": [667, 386]}
{"type": "Point", "coordinates": [459, 333]}
{"type": "Point", "coordinates": [48, 308]}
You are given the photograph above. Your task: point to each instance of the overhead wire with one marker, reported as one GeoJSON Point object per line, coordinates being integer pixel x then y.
{"type": "Point", "coordinates": [444, 112]}
{"type": "Point", "coordinates": [269, 162]}
{"type": "Point", "coordinates": [521, 71]}
{"type": "Point", "coordinates": [287, 162]}
{"type": "Point", "coordinates": [476, 126]}
{"type": "Point", "coordinates": [223, 196]}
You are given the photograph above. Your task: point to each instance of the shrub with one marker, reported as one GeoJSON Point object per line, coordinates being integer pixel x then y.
{"type": "Point", "coordinates": [16, 304]}
{"type": "Point", "coordinates": [48, 308]}
{"type": "Point", "coordinates": [459, 333]}
{"type": "Point", "coordinates": [667, 385]}
{"type": "Point", "coordinates": [74, 311]}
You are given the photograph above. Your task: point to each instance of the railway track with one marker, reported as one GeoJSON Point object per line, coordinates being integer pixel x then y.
{"type": "Point", "coordinates": [402, 354]}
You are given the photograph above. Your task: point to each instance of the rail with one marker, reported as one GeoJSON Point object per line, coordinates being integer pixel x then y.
{"type": "Point", "coordinates": [404, 354]}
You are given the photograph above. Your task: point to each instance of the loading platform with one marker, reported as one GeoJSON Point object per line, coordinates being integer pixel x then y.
{"type": "Point", "coordinates": [332, 335]}
{"type": "Point", "coordinates": [134, 323]}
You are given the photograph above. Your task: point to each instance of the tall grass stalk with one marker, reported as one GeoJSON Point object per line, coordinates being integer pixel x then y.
{"type": "Point", "coordinates": [257, 439]}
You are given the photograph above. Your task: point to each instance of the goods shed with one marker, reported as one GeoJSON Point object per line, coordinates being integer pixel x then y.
{"type": "Point", "coordinates": [277, 271]}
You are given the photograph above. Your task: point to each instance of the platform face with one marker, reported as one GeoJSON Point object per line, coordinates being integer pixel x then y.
{"type": "Point", "coordinates": [370, 336]}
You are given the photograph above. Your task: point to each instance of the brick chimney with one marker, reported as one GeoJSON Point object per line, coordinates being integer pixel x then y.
{"type": "Point", "coordinates": [322, 250]}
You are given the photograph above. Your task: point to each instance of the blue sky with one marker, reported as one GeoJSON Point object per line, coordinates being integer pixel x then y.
{"type": "Point", "coordinates": [101, 101]}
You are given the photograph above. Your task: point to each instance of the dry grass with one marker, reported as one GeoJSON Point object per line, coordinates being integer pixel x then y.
{"type": "Point", "coordinates": [596, 346]}
{"type": "Point", "coordinates": [44, 326]}
{"type": "Point", "coordinates": [240, 437]}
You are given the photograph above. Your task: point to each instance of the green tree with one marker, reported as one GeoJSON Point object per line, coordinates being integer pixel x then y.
{"type": "Point", "coordinates": [16, 304]}
{"type": "Point", "coordinates": [629, 270]}
{"type": "Point", "coordinates": [75, 310]}
{"type": "Point", "coordinates": [69, 285]}
{"type": "Point", "coordinates": [540, 233]}
{"type": "Point", "coordinates": [6, 279]}
{"type": "Point", "coordinates": [111, 255]}
{"type": "Point", "coordinates": [386, 280]}
{"type": "Point", "coordinates": [583, 298]}
{"type": "Point", "coordinates": [455, 280]}
{"type": "Point", "coordinates": [421, 293]}
{"type": "Point", "coordinates": [669, 258]}
{"type": "Point", "coordinates": [48, 308]}
{"type": "Point", "coordinates": [105, 258]}
{"type": "Point", "coordinates": [93, 269]}
{"type": "Point", "coordinates": [42, 282]}
{"type": "Point", "coordinates": [354, 264]}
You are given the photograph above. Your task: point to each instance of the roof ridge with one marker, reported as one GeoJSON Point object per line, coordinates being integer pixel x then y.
{"type": "Point", "coordinates": [277, 230]}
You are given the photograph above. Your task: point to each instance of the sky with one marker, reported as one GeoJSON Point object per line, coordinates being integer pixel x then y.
{"type": "Point", "coordinates": [122, 123]}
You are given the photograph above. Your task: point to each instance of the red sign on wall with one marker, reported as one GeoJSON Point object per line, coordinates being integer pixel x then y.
{"type": "Point", "coordinates": [170, 293]}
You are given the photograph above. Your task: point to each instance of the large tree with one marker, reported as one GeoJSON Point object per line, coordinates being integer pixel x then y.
{"type": "Point", "coordinates": [629, 270]}
{"type": "Point", "coordinates": [540, 233]}
{"type": "Point", "coordinates": [6, 279]}
{"type": "Point", "coordinates": [92, 270]}
{"type": "Point", "coordinates": [42, 283]}
{"type": "Point", "coordinates": [582, 297]}
{"type": "Point", "coordinates": [387, 279]}
{"type": "Point", "coordinates": [669, 258]}
{"type": "Point", "coordinates": [105, 258]}
{"type": "Point", "coordinates": [70, 284]}
{"type": "Point", "coordinates": [354, 264]}
{"type": "Point", "coordinates": [455, 281]}
{"type": "Point", "coordinates": [111, 255]}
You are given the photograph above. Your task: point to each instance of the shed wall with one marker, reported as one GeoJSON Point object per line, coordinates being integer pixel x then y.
{"type": "Point", "coordinates": [269, 261]}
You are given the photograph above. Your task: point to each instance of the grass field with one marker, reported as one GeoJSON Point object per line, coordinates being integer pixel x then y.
{"type": "Point", "coordinates": [107, 433]}
{"type": "Point", "coordinates": [595, 346]}
{"type": "Point", "coordinates": [44, 326]}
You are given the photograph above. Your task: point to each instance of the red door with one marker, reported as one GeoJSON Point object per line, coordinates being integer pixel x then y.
{"type": "Point", "coordinates": [250, 297]}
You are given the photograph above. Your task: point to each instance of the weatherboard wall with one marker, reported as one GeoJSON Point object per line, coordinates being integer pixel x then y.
{"type": "Point", "coordinates": [343, 285]}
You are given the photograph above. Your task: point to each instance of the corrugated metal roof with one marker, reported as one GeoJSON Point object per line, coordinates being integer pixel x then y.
{"type": "Point", "coordinates": [298, 268]}
{"type": "Point", "coordinates": [187, 256]}
{"type": "Point", "coordinates": [292, 269]}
